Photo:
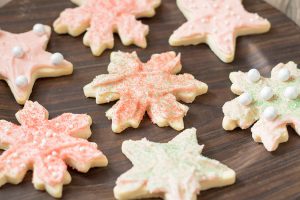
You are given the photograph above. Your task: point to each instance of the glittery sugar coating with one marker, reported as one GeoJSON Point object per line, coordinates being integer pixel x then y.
{"type": "Point", "coordinates": [273, 114]}
{"type": "Point", "coordinates": [46, 146]}
{"type": "Point", "coordinates": [173, 170]}
{"type": "Point", "coordinates": [150, 87]}
{"type": "Point", "coordinates": [102, 18]}
{"type": "Point", "coordinates": [24, 59]}
{"type": "Point", "coordinates": [217, 23]}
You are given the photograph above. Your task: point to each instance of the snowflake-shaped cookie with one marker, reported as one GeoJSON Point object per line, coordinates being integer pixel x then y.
{"type": "Point", "coordinates": [151, 87]}
{"type": "Point", "coordinates": [24, 59]}
{"type": "Point", "coordinates": [46, 146]}
{"type": "Point", "coordinates": [173, 170]}
{"type": "Point", "coordinates": [272, 101]}
{"type": "Point", "coordinates": [101, 18]}
{"type": "Point", "coordinates": [217, 23]}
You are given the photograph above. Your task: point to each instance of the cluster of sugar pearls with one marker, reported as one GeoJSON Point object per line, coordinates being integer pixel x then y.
{"type": "Point", "coordinates": [18, 52]}
{"type": "Point", "coordinates": [270, 113]}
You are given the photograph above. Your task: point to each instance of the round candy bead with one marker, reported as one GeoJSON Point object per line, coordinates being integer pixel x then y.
{"type": "Point", "coordinates": [291, 93]}
{"type": "Point", "coordinates": [245, 99]}
{"type": "Point", "coordinates": [266, 93]}
{"type": "Point", "coordinates": [17, 52]}
{"type": "Point", "coordinates": [253, 75]}
{"type": "Point", "coordinates": [284, 75]}
{"type": "Point", "coordinates": [39, 29]}
{"type": "Point", "coordinates": [270, 113]}
{"type": "Point", "coordinates": [57, 58]}
{"type": "Point", "coordinates": [21, 81]}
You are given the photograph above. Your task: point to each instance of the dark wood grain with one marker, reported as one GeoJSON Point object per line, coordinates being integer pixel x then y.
{"type": "Point", "coordinates": [260, 174]}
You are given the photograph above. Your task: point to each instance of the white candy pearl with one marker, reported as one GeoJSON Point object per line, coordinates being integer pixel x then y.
{"type": "Point", "coordinates": [21, 81]}
{"type": "Point", "coordinates": [57, 58]}
{"type": "Point", "coordinates": [270, 113]}
{"type": "Point", "coordinates": [291, 93]}
{"type": "Point", "coordinates": [284, 75]}
{"type": "Point", "coordinates": [18, 52]}
{"type": "Point", "coordinates": [245, 99]}
{"type": "Point", "coordinates": [39, 29]}
{"type": "Point", "coordinates": [266, 93]}
{"type": "Point", "coordinates": [253, 75]}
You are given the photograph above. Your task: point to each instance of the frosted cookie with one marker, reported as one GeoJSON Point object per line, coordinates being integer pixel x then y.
{"type": "Point", "coordinates": [102, 18]}
{"type": "Point", "coordinates": [217, 23]}
{"type": "Point", "coordinates": [273, 102]}
{"type": "Point", "coordinates": [151, 87]}
{"type": "Point", "coordinates": [24, 59]}
{"type": "Point", "coordinates": [46, 147]}
{"type": "Point", "coordinates": [173, 170]}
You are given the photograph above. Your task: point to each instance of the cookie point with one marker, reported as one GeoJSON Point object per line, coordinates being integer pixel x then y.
{"type": "Point", "coordinates": [57, 58]}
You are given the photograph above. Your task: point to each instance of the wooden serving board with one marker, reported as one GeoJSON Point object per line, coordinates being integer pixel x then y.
{"type": "Point", "coordinates": [260, 174]}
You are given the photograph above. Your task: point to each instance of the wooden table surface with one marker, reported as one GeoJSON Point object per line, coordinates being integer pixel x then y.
{"type": "Point", "coordinates": [260, 174]}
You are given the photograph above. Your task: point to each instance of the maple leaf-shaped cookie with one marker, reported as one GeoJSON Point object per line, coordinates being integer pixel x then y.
{"type": "Point", "coordinates": [173, 170]}
{"type": "Point", "coordinates": [274, 102]}
{"type": "Point", "coordinates": [151, 87]}
{"type": "Point", "coordinates": [46, 146]}
{"type": "Point", "coordinates": [24, 59]}
{"type": "Point", "coordinates": [217, 23]}
{"type": "Point", "coordinates": [101, 18]}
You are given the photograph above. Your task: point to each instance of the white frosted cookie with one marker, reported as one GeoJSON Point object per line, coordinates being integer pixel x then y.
{"type": "Point", "coordinates": [173, 170]}
{"type": "Point", "coordinates": [102, 18]}
{"type": "Point", "coordinates": [151, 87]}
{"type": "Point", "coordinates": [217, 23]}
{"type": "Point", "coordinates": [24, 59]}
{"type": "Point", "coordinates": [273, 102]}
{"type": "Point", "coordinates": [46, 147]}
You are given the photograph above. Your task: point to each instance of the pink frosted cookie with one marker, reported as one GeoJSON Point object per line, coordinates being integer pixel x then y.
{"type": "Point", "coordinates": [273, 102]}
{"type": "Point", "coordinates": [174, 171]}
{"type": "Point", "coordinates": [151, 87]}
{"type": "Point", "coordinates": [24, 59]}
{"type": "Point", "coordinates": [102, 18]}
{"type": "Point", "coordinates": [45, 146]}
{"type": "Point", "coordinates": [217, 23]}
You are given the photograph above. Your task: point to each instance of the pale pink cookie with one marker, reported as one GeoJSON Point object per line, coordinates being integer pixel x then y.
{"type": "Point", "coordinates": [217, 23]}
{"type": "Point", "coordinates": [174, 171]}
{"type": "Point", "coordinates": [151, 87]}
{"type": "Point", "coordinates": [24, 59]}
{"type": "Point", "coordinates": [102, 18]}
{"type": "Point", "coordinates": [274, 102]}
{"type": "Point", "coordinates": [46, 147]}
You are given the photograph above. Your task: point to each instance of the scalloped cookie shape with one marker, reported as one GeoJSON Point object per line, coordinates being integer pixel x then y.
{"type": "Point", "coordinates": [151, 87]}
{"type": "Point", "coordinates": [100, 19]}
{"type": "Point", "coordinates": [273, 102]}
{"type": "Point", "coordinates": [173, 170]}
{"type": "Point", "coordinates": [46, 147]}
{"type": "Point", "coordinates": [217, 23]}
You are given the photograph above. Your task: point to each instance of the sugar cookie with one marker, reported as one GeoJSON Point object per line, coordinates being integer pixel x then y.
{"type": "Point", "coordinates": [173, 170]}
{"type": "Point", "coordinates": [275, 104]}
{"type": "Point", "coordinates": [151, 87]}
{"type": "Point", "coordinates": [102, 18]}
{"type": "Point", "coordinates": [24, 59]}
{"type": "Point", "coordinates": [46, 146]}
{"type": "Point", "coordinates": [217, 23]}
